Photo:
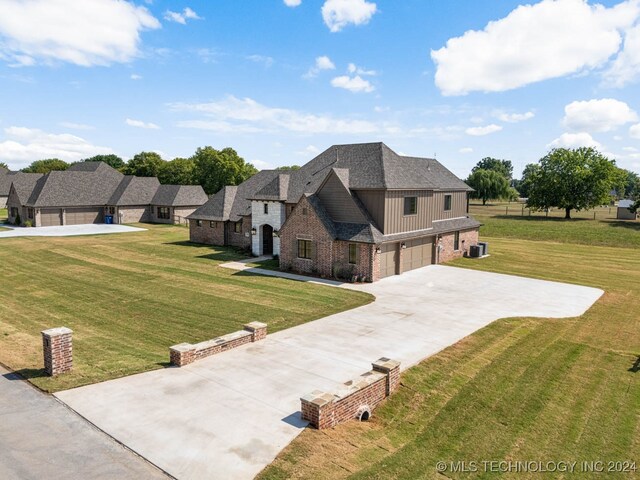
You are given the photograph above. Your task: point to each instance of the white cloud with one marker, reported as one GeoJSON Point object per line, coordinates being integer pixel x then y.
{"type": "Point", "coordinates": [486, 130]}
{"type": "Point", "coordinates": [141, 124]}
{"type": "Point", "coordinates": [625, 68]}
{"type": "Point", "coordinates": [261, 164]}
{"type": "Point", "coordinates": [181, 17]}
{"type": "Point", "coordinates": [76, 126]}
{"type": "Point", "coordinates": [337, 14]}
{"type": "Point", "coordinates": [135, 76]}
{"type": "Point", "coordinates": [84, 33]}
{"type": "Point", "coordinates": [24, 145]}
{"type": "Point", "coordinates": [244, 115]}
{"type": "Point", "coordinates": [292, 3]}
{"type": "Point", "coordinates": [466, 150]}
{"type": "Point", "coordinates": [630, 149]}
{"type": "Point", "coordinates": [322, 63]}
{"type": "Point", "coordinates": [514, 117]}
{"type": "Point", "coordinates": [601, 115]}
{"type": "Point", "coordinates": [634, 131]}
{"type": "Point", "coordinates": [310, 150]}
{"type": "Point", "coordinates": [355, 84]}
{"type": "Point", "coordinates": [550, 39]}
{"type": "Point", "coordinates": [353, 68]}
{"type": "Point", "coordinates": [263, 59]}
{"type": "Point", "coordinates": [574, 140]}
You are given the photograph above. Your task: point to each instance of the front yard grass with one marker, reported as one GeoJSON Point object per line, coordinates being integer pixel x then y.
{"type": "Point", "coordinates": [129, 297]}
{"type": "Point", "coordinates": [520, 389]}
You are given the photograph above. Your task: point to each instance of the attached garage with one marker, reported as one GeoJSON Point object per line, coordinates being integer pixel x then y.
{"type": "Point", "coordinates": [418, 253]}
{"type": "Point", "coordinates": [388, 259]}
{"type": "Point", "coordinates": [50, 217]}
{"type": "Point", "coordinates": [80, 216]}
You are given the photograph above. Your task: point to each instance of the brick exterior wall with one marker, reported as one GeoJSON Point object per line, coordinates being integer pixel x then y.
{"type": "Point", "coordinates": [364, 262]}
{"type": "Point", "coordinates": [205, 234]}
{"type": "Point", "coordinates": [133, 214]}
{"type": "Point", "coordinates": [57, 347]}
{"type": "Point", "coordinates": [186, 353]}
{"type": "Point", "coordinates": [241, 240]}
{"type": "Point", "coordinates": [447, 253]}
{"type": "Point", "coordinates": [326, 410]}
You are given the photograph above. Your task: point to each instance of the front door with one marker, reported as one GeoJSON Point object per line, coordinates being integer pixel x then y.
{"type": "Point", "coordinates": [267, 240]}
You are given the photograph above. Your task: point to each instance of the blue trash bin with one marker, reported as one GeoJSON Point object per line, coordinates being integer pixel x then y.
{"type": "Point", "coordinates": [108, 219]}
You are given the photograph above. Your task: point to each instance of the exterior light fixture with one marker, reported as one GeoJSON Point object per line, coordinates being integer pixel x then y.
{"type": "Point", "coordinates": [254, 231]}
{"type": "Point", "coordinates": [276, 233]}
{"type": "Point", "coordinates": [403, 245]}
{"type": "Point", "coordinates": [378, 250]}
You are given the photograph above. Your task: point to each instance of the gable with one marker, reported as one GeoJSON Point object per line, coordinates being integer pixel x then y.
{"type": "Point", "coordinates": [338, 202]}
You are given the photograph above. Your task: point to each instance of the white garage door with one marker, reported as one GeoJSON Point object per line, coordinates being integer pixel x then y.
{"type": "Point", "coordinates": [80, 216]}
{"type": "Point", "coordinates": [417, 254]}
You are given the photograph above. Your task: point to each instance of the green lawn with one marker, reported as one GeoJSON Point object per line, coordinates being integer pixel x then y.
{"type": "Point", "coordinates": [3, 217]}
{"type": "Point", "coordinates": [520, 389]}
{"type": "Point", "coordinates": [129, 297]}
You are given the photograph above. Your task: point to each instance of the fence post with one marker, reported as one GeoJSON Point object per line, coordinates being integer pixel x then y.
{"type": "Point", "coordinates": [507, 211]}
{"type": "Point", "coordinates": [523, 210]}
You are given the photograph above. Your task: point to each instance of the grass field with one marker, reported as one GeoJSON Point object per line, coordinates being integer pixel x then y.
{"type": "Point", "coordinates": [129, 297]}
{"type": "Point", "coordinates": [518, 209]}
{"type": "Point", "coordinates": [520, 389]}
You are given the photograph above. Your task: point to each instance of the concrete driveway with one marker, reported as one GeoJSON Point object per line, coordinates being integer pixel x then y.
{"type": "Point", "coordinates": [67, 230]}
{"type": "Point", "coordinates": [229, 415]}
{"type": "Point", "coordinates": [40, 438]}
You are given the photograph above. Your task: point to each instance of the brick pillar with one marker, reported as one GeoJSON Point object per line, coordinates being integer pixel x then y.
{"type": "Point", "coordinates": [58, 350]}
{"type": "Point", "coordinates": [317, 408]}
{"type": "Point", "coordinates": [391, 369]}
{"type": "Point", "coordinates": [258, 330]}
{"type": "Point", "coordinates": [182, 354]}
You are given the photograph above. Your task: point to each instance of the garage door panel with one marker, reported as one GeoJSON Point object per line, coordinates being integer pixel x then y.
{"type": "Point", "coordinates": [417, 254]}
{"type": "Point", "coordinates": [81, 216]}
{"type": "Point", "coordinates": [388, 260]}
{"type": "Point", "coordinates": [50, 217]}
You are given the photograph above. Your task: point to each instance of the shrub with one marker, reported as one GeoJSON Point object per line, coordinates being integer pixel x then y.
{"type": "Point", "coordinates": [18, 220]}
{"type": "Point", "coordinates": [28, 224]}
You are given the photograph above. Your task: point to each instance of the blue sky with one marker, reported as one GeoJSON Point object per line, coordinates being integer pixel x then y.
{"type": "Point", "coordinates": [281, 80]}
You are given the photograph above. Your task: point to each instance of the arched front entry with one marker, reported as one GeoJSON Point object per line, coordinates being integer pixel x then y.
{"type": "Point", "coordinates": [267, 239]}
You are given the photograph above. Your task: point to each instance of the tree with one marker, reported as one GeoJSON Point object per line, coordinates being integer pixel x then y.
{"type": "Point", "coordinates": [290, 167]}
{"type": "Point", "coordinates": [216, 168]}
{"type": "Point", "coordinates": [572, 179]}
{"type": "Point", "coordinates": [524, 185]}
{"type": "Point", "coordinates": [4, 165]}
{"type": "Point", "coordinates": [503, 167]}
{"type": "Point", "coordinates": [488, 184]}
{"type": "Point", "coordinates": [179, 171]}
{"type": "Point", "coordinates": [46, 166]}
{"type": "Point", "coordinates": [144, 164]}
{"type": "Point", "coordinates": [631, 188]}
{"type": "Point", "coordinates": [111, 160]}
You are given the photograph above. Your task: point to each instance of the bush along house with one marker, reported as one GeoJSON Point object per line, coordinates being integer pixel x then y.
{"type": "Point", "coordinates": [355, 211]}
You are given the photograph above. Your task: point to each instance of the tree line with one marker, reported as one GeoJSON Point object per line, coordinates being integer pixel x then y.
{"type": "Point", "coordinates": [568, 179]}
{"type": "Point", "coordinates": [211, 168]}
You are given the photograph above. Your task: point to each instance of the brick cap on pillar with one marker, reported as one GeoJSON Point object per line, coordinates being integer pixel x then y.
{"type": "Point", "coordinates": [54, 332]}
{"type": "Point", "coordinates": [253, 326]}
{"type": "Point", "coordinates": [384, 364]}
{"type": "Point", "coordinates": [319, 398]}
{"type": "Point", "coordinates": [182, 347]}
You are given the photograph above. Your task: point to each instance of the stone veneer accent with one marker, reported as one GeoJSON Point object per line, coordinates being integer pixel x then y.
{"type": "Point", "coordinates": [58, 350]}
{"type": "Point", "coordinates": [447, 253]}
{"type": "Point", "coordinates": [326, 410]}
{"type": "Point", "coordinates": [186, 353]}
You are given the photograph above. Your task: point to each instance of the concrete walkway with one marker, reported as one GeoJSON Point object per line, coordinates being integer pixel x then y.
{"type": "Point", "coordinates": [229, 415]}
{"type": "Point", "coordinates": [67, 230]}
{"type": "Point", "coordinates": [41, 438]}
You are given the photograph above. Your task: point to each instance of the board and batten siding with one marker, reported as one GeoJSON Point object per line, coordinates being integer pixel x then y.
{"type": "Point", "coordinates": [338, 202]}
{"type": "Point", "coordinates": [458, 205]}
{"type": "Point", "coordinates": [395, 221]}
{"type": "Point", "coordinates": [373, 201]}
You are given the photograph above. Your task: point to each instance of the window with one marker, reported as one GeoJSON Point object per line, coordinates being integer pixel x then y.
{"type": "Point", "coordinates": [304, 249]}
{"type": "Point", "coordinates": [199, 223]}
{"type": "Point", "coordinates": [164, 213]}
{"type": "Point", "coordinates": [304, 210]}
{"type": "Point", "coordinates": [353, 253]}
{"type": "Point", "coordinates": [213, 224]}
{"type": "Point", "coordinates": [237, 227]}
{"type": "Point", "coordinates": [30, 212]}
{"type": "Point", "coordinates": [410, 205]}
{"type": "Point", "coordinates": [456, 241]}
{"type": "Point", "coordinates": [14, 212]}
{"type": "Point", "coordinates": [266, 208]}
{"type": "Point", "coordinates": [447, 203]}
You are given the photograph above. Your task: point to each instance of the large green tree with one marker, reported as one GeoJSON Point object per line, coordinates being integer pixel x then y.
{"type": "Point", "coordinates": [631, 187]}
{"type": "Point", "coordinates": [112, 160]}
{"type": "Point", "coordinates": [572, 179]}
{"type": "Point", "coordinates": [4, 165]}
{"type": "Point", "coordinates": [45, 166]}
{"type": "Point", "coordinates": [179, 171]}
{"type": "Point", "coordinates": [144, 164]}
{"type": "Point", "coordinates": [217, 168]}
{"type": "Point", "coordinates": [524, 184]}
{"type": "Point", "coordinates": [503, 167]}
{"type": "Point", "coordinates": [488, 184]}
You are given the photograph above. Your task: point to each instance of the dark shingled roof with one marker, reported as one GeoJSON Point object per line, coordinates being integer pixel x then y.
{"type": "Point", "coordinates": [179, 195]}
{"type": "Point", "coordinates": [24, 183]}
{"type": "Point", "coordinates": [275, 190]}
{"type": "Point", "coordinates": [86, 166]}
{"type": "Point", "coordinates": [233, 202]}
{"type": "Point", "coordinates": [134, 191]}
{"type": "Point", "coordinates": [6, 177]}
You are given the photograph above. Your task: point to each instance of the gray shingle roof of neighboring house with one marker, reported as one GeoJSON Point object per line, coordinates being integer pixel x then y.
{"type": "Point", "coordinates": [179, 195]}
{"type": "Point", "coordinates": [24, 183]}
{"type": "Point", "coordinates": [87, 166]}
{"type": "Point", "coordinates": [233, 202]}
{"type": "Point", "coordinates": [134, 191]}
{"type": "Point", "coordinates": [625, 203]}
{"type": "Point", "coordinates": [6, 178]}
{"type": "Point", "coordinates": [75, 188]}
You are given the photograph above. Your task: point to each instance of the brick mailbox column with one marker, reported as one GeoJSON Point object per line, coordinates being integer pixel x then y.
{"type": "Point", "coordinates": [391, 369]}
{"type": "Point", "coordinates": [318, 408]}
{"type": "Point", "coordinates": [182, 354]}
{"type": "Point", "coordinates": [258, 330]}
{"type": "Point", "coordinates": [58, 350]}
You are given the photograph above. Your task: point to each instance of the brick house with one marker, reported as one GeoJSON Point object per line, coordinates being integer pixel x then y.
{"type": "Point", "coordinates": [353, 210]}
{"type": "Point", "coordinates": [89, 191]}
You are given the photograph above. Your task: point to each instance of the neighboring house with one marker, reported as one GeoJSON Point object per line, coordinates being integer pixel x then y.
{"type": "Point", "coordinates": [86, 193]}
{"type": "Point", "coordinates": [623, 212]}
{"type": "Point", "coordinates": [353, 210]}
{"type": "Point", "coordinates": [5, 185]}
{"type": "Point", "coordinates": [174, 203]}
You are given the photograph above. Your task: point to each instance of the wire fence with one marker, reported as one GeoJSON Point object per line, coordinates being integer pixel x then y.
{"type": "Point", "coordinates": [519, 209]}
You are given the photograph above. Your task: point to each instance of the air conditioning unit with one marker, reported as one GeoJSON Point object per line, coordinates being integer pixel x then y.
{"type": "Point", "coordinates": [484, 246]}
{"type": "Point", "coordinates": [475, 251]}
